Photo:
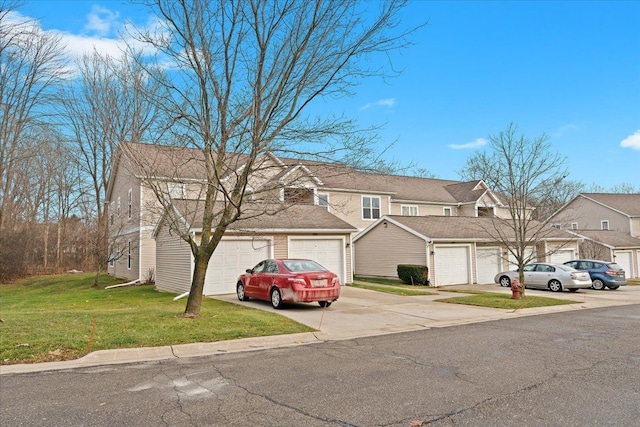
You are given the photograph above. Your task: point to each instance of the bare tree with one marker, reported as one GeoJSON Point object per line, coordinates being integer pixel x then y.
{"type": "Point", "coordinates": [241, 73]}
{"type": "Point", "coordinates": [525, 173]}
{"type": "Point", "coordinates": [102, 107]}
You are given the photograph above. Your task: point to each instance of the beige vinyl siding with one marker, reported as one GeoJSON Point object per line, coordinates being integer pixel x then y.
{"type": "Point", "coordinates": [635, 227]}
{"type": "Point", "coordinates": [120, 268]}
{"type": "Point", "coordinates": [147, 254]}
{"type": "Point", "coordinates": [379, 252]}
{"type": "Point", "coordinates": [280, 246]}
{"type": "Point", "coordinates": [348, 207]}
{"type": "Point", "coordinates": [423, 209]}
{"type": "Point", "coordinates": [589, 215]}
{"type": "Point", "coordinates": [173, 262]}
{"type": "Point", "coordinates": [347, 254]}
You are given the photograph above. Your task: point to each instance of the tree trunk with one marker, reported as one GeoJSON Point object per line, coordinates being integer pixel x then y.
{"type": "Point", "coordinates": [197, 286]}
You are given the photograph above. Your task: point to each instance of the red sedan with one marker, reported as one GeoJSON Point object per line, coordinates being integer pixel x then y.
{"type": "Point", "coordinates": [289, 280]}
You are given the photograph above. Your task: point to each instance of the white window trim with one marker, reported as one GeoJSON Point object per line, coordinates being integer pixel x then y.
{"type": "Point", "coordinates": [444, 211]}
{"type": "Point", "coordinates": [326, 196]}
{"type": "Point", "coordinates": [410, 207]}
{"type": "Point", "coordinates": [574, 226]}
{"type": "Point", "coordinates": [173, 187]}
{"type": "Point", "coordinates": [604, 224]}
{"type": "Point", "coordinates": [118, 207]}
{"type": "Point", "coordinates": [362, 207]}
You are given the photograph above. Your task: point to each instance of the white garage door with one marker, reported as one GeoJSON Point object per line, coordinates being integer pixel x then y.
{"type": "Point", "coordinates": [232, 258]}
{"type": "Point", "coordinates": [624, 259]}
{"type": "Point", "coordinates": [488, 264]}
{"type": "Point", "coordinates": [451, 265]}
{"type": "Point", "coordinates": [327, 252]}
{"type": "Point", "coordinates": [562, 256]}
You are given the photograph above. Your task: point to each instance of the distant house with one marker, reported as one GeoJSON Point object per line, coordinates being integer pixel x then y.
{"type": "Point", "coordinates": [608, 224]}
{"type": "Point", "coordinates": [327, 206]}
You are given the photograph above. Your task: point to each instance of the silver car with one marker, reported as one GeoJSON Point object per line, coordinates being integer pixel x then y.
{"type": "Point", "coordinates": [542, 275]}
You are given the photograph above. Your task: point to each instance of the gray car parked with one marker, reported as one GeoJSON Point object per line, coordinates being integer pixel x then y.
{"type": "Point", "coordinates": [542, 275]}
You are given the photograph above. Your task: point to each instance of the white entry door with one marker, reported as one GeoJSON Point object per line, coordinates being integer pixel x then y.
{"type": "Point", "coordinates": [451, 265]}
{"type": "Point", "coordinates": [488, 264]}
{"type": "Point", "coordinates": [327, 252]}
{"type": "Point", "coordinates": [231, 258]}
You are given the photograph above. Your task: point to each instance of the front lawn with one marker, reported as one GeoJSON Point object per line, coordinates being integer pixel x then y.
{"type": "Point", "coordinates": [499, 300]}
{"type": "Point", "coordinates": [50, 318]}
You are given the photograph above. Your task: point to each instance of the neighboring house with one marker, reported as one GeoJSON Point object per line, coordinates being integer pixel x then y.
{"type": "Point", "coordinates": [457, 250]}
{"type": "Point", "coordinates": [354, 200]}
{"type": "Point", "coordinates": [600, 211]}
{"type": "Point", "coordinates": [609, 245]}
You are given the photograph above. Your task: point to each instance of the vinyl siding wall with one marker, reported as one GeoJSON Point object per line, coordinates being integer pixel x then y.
{"type": "Point", "coordinates": [379, 252]}
{"type": "Point", "coordinates": [589, 215]}
{"type": "Point", "coordinates": [348, 207]}
{"type": "Point", "coordinates": [173, 262]}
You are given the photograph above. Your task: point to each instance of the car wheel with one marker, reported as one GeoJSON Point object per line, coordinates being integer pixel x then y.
{"type": "Point", "coordinates": [240, 292]}
{"type": "Point", "coordinates": [613, 288]}
{"type": "Point", "coordinates": [597, 284]}
{"type": "Point", "coordinates": [276, 298]}
{"type": "Point", "coordinates": [555, 286]}
{"type": "Point", "coordinates": [505, 282]}
{"type": "Point", "coordinates": [324, 303]}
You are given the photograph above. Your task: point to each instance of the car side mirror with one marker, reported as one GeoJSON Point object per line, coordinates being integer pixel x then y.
{"type": "Point", "coordinates": [249, 270]}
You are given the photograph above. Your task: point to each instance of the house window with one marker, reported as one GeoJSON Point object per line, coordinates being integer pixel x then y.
{"type": "Point", "coordinates": [446, 211]}
{"type": "Point", "coordinates": [323, 200]}
{"type": "Point", "coordinates": [111, 215]}
{"type": "Point", "coordinates": [604, 225]}
{"type": "Point", "coordinates": [129, 255]}
{"type": "Point", "coordinates": [176, 190]}
{"type": "Point", "coordinates": [118, 209]}
{"type": "Point", "coordinates": [370, 207]}
{"type": "Point", "coordinates": [555, 226]}
{"type": "Point", "coordinates": [409, 210]}
{"type": "Point", "coordinates": [129, 203]}
{"type": "Point", "coordinates": [574, 225]}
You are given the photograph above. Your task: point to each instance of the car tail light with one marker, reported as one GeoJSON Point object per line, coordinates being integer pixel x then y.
{"type": "Point", "coordinates": [298, 281]}
{"type": "Point", "coordinates": [611, 272]}
{"type": "Point", "coordinates": [335, 282]}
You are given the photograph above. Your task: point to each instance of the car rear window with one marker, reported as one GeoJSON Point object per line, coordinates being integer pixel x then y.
{"type": "Point", "coordinates": [614, 266]}
{"type": "Point", "coordinates": [303, 265]}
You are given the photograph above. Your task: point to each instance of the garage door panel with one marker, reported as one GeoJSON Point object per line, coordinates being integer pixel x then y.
{"type": "Point", "coordinates": [624, 260]}
{"type": "Point", "coordinates": [488, 262]}
{"type": "Point", "coordinates": [230, 259]}
{"type": "Point", "coordinates": [327, 252]}
{"type": "Point", "coordinates": [451, 265]}
{"type": "Point", "coordinates": [562, 256]}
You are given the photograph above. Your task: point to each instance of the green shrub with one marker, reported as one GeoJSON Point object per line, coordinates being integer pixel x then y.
{"type": "Point", "coordinates": [413, 274]}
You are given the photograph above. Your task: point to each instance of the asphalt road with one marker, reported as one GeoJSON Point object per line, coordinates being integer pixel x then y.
{"type": "Point", "coordinates": [578, 368]}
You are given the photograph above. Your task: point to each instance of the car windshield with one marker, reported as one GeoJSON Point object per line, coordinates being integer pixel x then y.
{"type": "Point", "coordinates": [297, 265]}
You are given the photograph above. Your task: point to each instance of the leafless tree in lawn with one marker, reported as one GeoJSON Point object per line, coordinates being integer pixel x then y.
{"type": "Point", "coordinates": [240, 77]}
{"type": "Point", "coordinates": [525, 173]}
{"type": "Point", "coordinates": [102, 107]}
{"type": "Point", "coordinates": [32, 66]}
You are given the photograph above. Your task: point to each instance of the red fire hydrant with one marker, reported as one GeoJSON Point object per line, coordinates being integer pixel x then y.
{"type": "Point", "coordinates": [516, 288]}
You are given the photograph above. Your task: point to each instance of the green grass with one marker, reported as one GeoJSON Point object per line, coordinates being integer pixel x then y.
{"type": "Point", "coordinates": [633, 282]}
{"type": "Point", "coordinates": [396, 290]}
{"type": "Point", "coordinates": [497, 300]}
{"type": "Point", "coordinates": [63, 317]}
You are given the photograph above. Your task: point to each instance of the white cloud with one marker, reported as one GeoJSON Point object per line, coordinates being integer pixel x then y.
{"type": "Point", "coordinates": [632, 141]}
{"type": "Point", "coordinates": [101, 20]}
{"type": "Point", "coordinates": [565, 129]}
{"type": "Point", "coordinates": [473, 144]}
{"type": "Point", "coordinates": [388, 102]}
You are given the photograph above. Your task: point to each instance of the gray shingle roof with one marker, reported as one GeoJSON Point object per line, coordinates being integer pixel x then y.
{"type": "Point", "coordinates": [467, 228]}
{"type": "Point", "coordinates": [614, 239]}
{"type": "Point", "coordinates": [271, 217]}
{"type": "Point", "coordinates": [626, 203]}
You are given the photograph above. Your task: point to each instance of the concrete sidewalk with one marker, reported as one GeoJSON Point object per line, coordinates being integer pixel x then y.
{"type": "Point", "coordinates": [358, 313]}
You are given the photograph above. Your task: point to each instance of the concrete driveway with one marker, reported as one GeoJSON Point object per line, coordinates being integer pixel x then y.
{"type": "Point", "coordinates": [361, 312]}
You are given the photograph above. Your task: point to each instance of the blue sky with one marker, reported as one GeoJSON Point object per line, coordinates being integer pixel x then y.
{"type": "Point", "coordinates": [568, 69]}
